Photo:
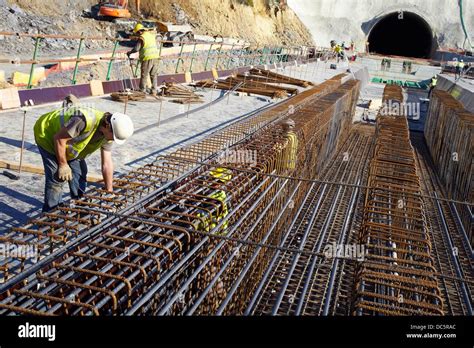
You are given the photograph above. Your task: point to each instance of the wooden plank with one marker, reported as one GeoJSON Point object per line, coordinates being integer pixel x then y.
{"type": "Point", "coordinates": [187, 77]}
{"type": "Point", "coordinates": [9, 98]}
{"type": "Point", "coordinates": [96, 88]}
{"type": "Point", "coordinates": [30, 168]}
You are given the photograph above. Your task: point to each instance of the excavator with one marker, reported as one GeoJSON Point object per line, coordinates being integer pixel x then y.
{"type": "Point", "coordinates": [110, 10]}
{"type": "Point", "coordinates": [116, 9]}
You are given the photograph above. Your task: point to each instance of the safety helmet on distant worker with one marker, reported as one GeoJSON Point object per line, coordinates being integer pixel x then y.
{"type": "Point", "coordinates": [122, 127]}
{"type": "Point", "coordinates": [222, 174]}
{"type": "Point", "coordinates": [138, 27]}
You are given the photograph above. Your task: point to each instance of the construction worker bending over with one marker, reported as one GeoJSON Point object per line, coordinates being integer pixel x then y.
{"type": "Point", "coordinates": [209, 217]}
{"type": "Point", "coordinates": [211, 220]}
{"type": "Point", "coordinates": [65, 137]}
{"type": "Point", "coordinates": [290, 152]}
{"type": "Point", "coordinates": [149, 57]}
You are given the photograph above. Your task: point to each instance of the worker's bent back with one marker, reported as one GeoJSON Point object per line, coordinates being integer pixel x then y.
{"type": "Point", "coordinates": [50, 123]}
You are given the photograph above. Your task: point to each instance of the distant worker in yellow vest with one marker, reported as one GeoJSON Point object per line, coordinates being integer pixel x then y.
{"type": "Point", "coordinates": [460, 67]}
{"type": "Point", "coordinates": [209, 220]}
{"type": "Point", "coordinates": [434, 81]}
{"type": "Point", "coordinates": [339, 50]}
{"type": "Point", "coordinates": [66, 136]}
{"type": "Point", "coordinates": [210, 215]}
{"type": "Point", "coordinates": [149, 57]}
{"type": "Point", "coordinates": [290, 153]}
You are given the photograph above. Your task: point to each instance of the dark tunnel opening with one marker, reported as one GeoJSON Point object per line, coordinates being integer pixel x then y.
{"type": "Point", "coordinates": [409, 36]}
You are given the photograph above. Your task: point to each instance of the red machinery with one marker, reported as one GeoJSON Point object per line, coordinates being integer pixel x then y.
{"type": "Point", "coordinates": [115, 9]}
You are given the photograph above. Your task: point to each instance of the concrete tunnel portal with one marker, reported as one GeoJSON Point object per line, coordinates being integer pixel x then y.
{"type": "Point", "coordinates": [402, 34]}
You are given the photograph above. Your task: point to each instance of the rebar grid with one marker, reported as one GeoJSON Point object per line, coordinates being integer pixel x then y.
{"type": "Point", "coordinates": [394, 229]}
{"type": "Point", "coordinates": [312, 284]}
{"type": "Point", "coordinates": [52, 231]}
{"type": "Point", "coordinates": [140, 252]}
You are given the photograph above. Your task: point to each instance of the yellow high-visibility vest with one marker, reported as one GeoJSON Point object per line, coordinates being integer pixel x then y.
{"type": "Point", "coordinates": [290, 152]}
{"type": "Point", "coordinates": [149, 49]}
{"type": "Point", "coordinates": [50, 123]}
{"type": "Point", "coordinates": [207, 223]}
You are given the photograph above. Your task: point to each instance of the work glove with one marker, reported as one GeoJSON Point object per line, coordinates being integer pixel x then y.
{"type": "Point", "coordinates": [64, 173]}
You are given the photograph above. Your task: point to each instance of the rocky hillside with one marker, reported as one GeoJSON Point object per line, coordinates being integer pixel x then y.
{"type": "Point", "coordinates": [257, 21]}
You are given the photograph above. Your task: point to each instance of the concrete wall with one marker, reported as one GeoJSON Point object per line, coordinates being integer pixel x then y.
{"type": "Point", "coordinates": [346, 20]}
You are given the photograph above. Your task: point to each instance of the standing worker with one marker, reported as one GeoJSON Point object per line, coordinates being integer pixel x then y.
{"type": "Point", "coordinates": [434, 81]}
{"type": "Point", "coordinates": [461, 67]}
{"type": "Point", "coordinates": [458, 67]}
{"type": "Point", "coordinates": [455, 65]}
{"type": "Point", "coordinates": [290, 152]}
{"type": "Point", "coordinates": [339, 52]}
{"type": "Point", "coordinates": [149, 57]}
{"type": "Point", "coordinates": [65, 137]}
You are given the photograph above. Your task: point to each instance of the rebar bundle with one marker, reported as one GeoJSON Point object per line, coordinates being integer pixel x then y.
{"type": "Point", "coordinates": [260, 82]}
{"type": "Point", "coordinates": [314, 282]}
{"type": "Point", "coordinates": [449, 134]}
{"type": "Point", "coordinates": [397, 276]}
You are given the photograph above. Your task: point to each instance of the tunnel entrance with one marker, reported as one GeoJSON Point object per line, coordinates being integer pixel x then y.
{"type": "Point", "coordinates": [409, 36]}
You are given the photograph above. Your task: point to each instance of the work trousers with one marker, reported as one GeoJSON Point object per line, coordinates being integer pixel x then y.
{"type": "Point", "coordinates": [53, 187]}
{"type": "Point", "coordinates": [149, 68]}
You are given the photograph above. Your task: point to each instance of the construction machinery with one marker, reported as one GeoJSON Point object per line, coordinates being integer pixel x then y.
{"type": "Point", "coordinates": [114, 9]}
{"type": "Point", "coordinates": [172, 34]}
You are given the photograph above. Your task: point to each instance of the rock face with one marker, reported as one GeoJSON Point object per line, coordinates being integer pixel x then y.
{"type": "Point", "coordinates": [354, 19]}
{"type": "Point", "coordinates": [262, 22]}
{"type": "Point", "coordinates": [48, 17]}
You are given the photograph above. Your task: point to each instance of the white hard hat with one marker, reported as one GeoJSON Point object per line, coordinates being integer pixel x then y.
{"type": "Point", "coordinates": [122, 127]}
